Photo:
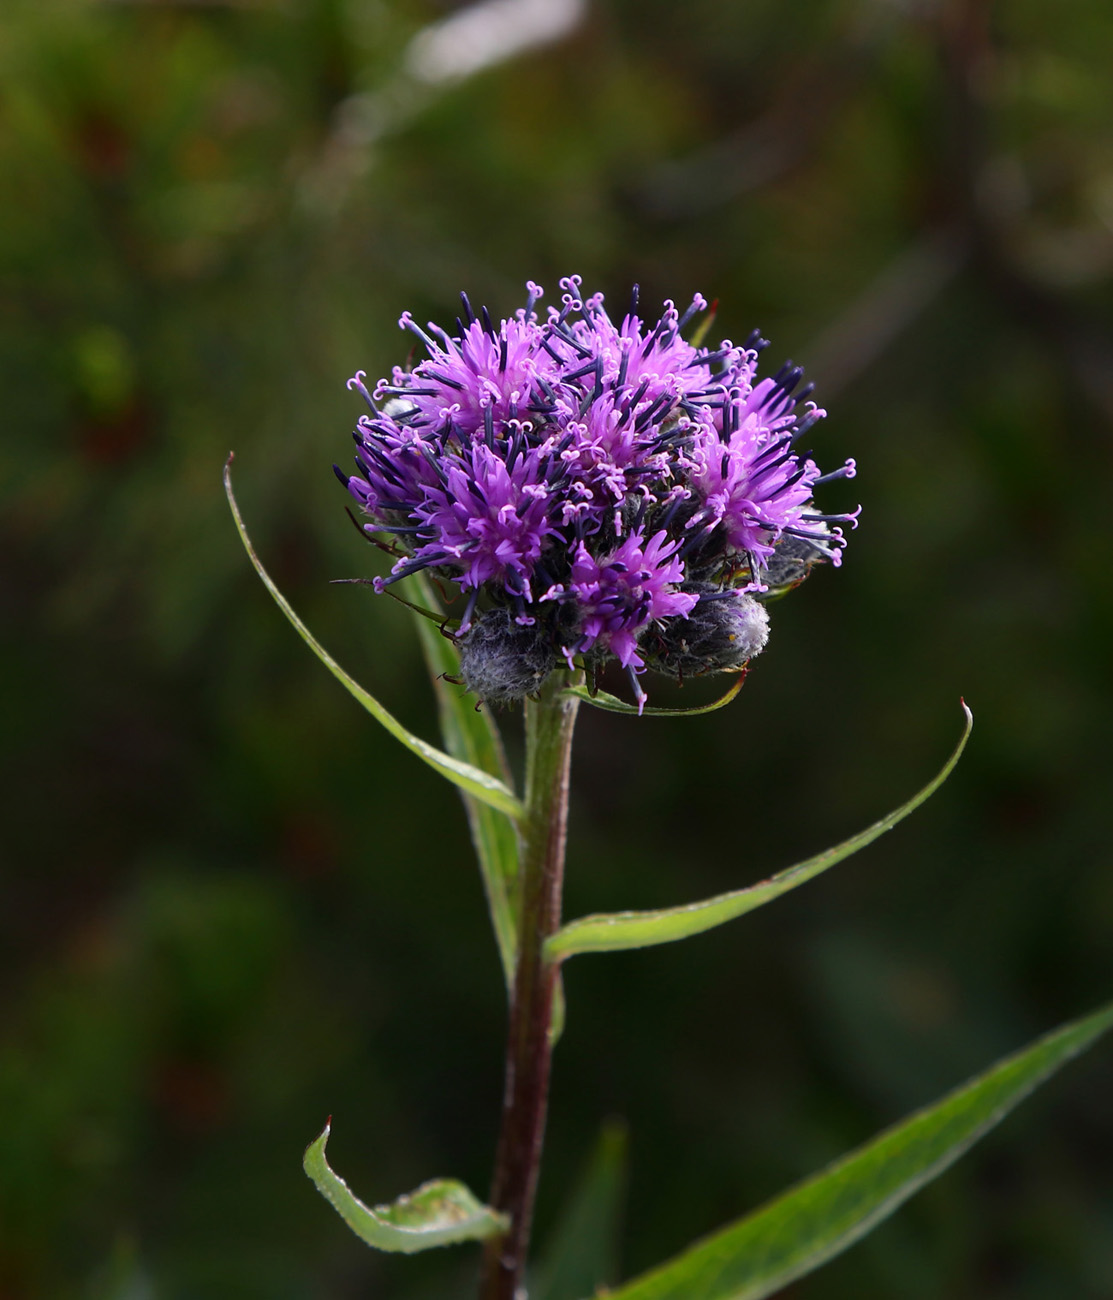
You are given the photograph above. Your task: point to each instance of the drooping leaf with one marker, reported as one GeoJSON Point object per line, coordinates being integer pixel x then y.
{"type": "Point", "coordinates": [617, 931]}
{"type": "Point", "coordinates": [799, 1231]}
{"type": "Point", "coordinates": [612, 704]}
{"type": "Point", "coordinates": [482, 785]}
{"type": "Point", "coordinates": [470, 735]}
{"type": "Point", "coordinates": [582, 1253]}
{"type": "Point", "coordinates": [439, 1213]}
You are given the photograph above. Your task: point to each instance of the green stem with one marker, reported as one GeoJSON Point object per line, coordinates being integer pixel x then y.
{"type": "Point", "coordinates": [549, 723]}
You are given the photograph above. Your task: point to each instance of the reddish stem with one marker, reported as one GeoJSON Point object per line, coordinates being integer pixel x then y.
{"type": "Point", "coordinates": [549, 724]}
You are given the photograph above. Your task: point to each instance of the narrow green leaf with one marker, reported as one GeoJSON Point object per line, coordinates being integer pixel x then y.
{"type": "Point", "coordinates": [470, 734]}
{"type": "Point", "coordinates": [617, 931]}
{"type": "Point", "coordinates": [440, 1213]}
{"type": "Point", "coordinates": [421, 582]}
{"type": "Point", "coordinates": [612, 704]}
{"type": "Point", "coordinates": [582, 1253]}
{"type": "Point", "coordinates": [476, 782]}
{"type": "Point", "coordinates": [808, 1225]}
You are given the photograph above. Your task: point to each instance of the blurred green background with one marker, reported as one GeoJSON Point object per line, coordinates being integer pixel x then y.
{"type": "Point", "coordinates": [232, 906]}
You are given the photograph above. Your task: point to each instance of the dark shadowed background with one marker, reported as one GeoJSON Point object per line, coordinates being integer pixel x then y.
{"type": "Point", "coordinates": [233, 906]}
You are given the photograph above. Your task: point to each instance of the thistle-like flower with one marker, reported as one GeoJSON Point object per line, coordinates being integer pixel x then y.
{"type": "Point", "coordinates": [596, 491]}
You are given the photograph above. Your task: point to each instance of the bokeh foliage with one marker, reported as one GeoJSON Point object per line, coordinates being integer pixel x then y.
{"type": "Point", "coordinates": [231, 907]}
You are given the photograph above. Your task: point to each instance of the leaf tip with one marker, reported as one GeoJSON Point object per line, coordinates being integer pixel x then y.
{"type": "Point", "coordinates": [317, 1146]}
{"type": "Point", "coordinates": [227, 477]}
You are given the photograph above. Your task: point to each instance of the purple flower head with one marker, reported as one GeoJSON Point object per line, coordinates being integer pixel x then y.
{"type": "Point", "coordinates": [465, 376]}
{"type": "Point", "coordinates": [488, 516]}
{"type": "Point", "coordinates": [598, 491]}
{"type": "Point", "coordinates": [617, 596]}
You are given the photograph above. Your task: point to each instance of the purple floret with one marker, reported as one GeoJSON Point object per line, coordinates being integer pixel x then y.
{"type": "Point", "coordinates": [490, 518]}
{"type": "Point", "coordinates": [617, 595]}
{"type": "Point", "coordinates": [592, 481]}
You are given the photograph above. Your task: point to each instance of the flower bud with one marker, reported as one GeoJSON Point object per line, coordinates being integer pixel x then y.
{"type": "Point", "coordinates": [792, 561]}
{"type": "Point", "coordinates": [721, 634]}
{"type": "Point", "coordinates": [501, 661]}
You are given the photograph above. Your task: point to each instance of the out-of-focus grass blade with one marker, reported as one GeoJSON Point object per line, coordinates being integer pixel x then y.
{"type": "Point", "coordinates": [805, 1227]}
{"type": "Point", "coordinates": [612, 704]}
{"type": "Point", "coordinates": [471, 735]}
{"type": "Point", "coordinates": [617, 931]}
{"type": "Point", "coordinates": [481, 785]}
{"type": "Point", "coordinates": [705, 325]}
{"type": "Point", "coordinates": [582, 1253]}
{"type": "Point", "coordinates": [439, 1213]}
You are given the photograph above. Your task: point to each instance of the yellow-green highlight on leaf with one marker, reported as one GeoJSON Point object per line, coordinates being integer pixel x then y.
{"type": "Point", "coordinates": [802, 1229]}
{"type": "Point", "coordinates": [560, 1010]}
{"type": "Point", "coordinates": [478, 783]}
{"type": "Point", "coordinates": [612, 704]}
{"type": "Point", "coordinates": [618, 931]}
{"type": "Point", "coordinates": [470, 735]}
{"type": "Point", "coordinates": [439, 1213]}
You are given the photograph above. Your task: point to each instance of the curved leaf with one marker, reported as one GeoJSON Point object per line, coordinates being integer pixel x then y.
{"type": "Point", "coordinates": [439, 1213]}
{"type": "Point", "coordinates": [805, 1227]}
{"type": "Point", "coordinates": [617, 931]}
{"type": "Point", "coordinates": [480, 784]}
{"type": "Point", "coordinates": [612, 704]}
{"type": "Point", "coordinates": [470, 734]}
